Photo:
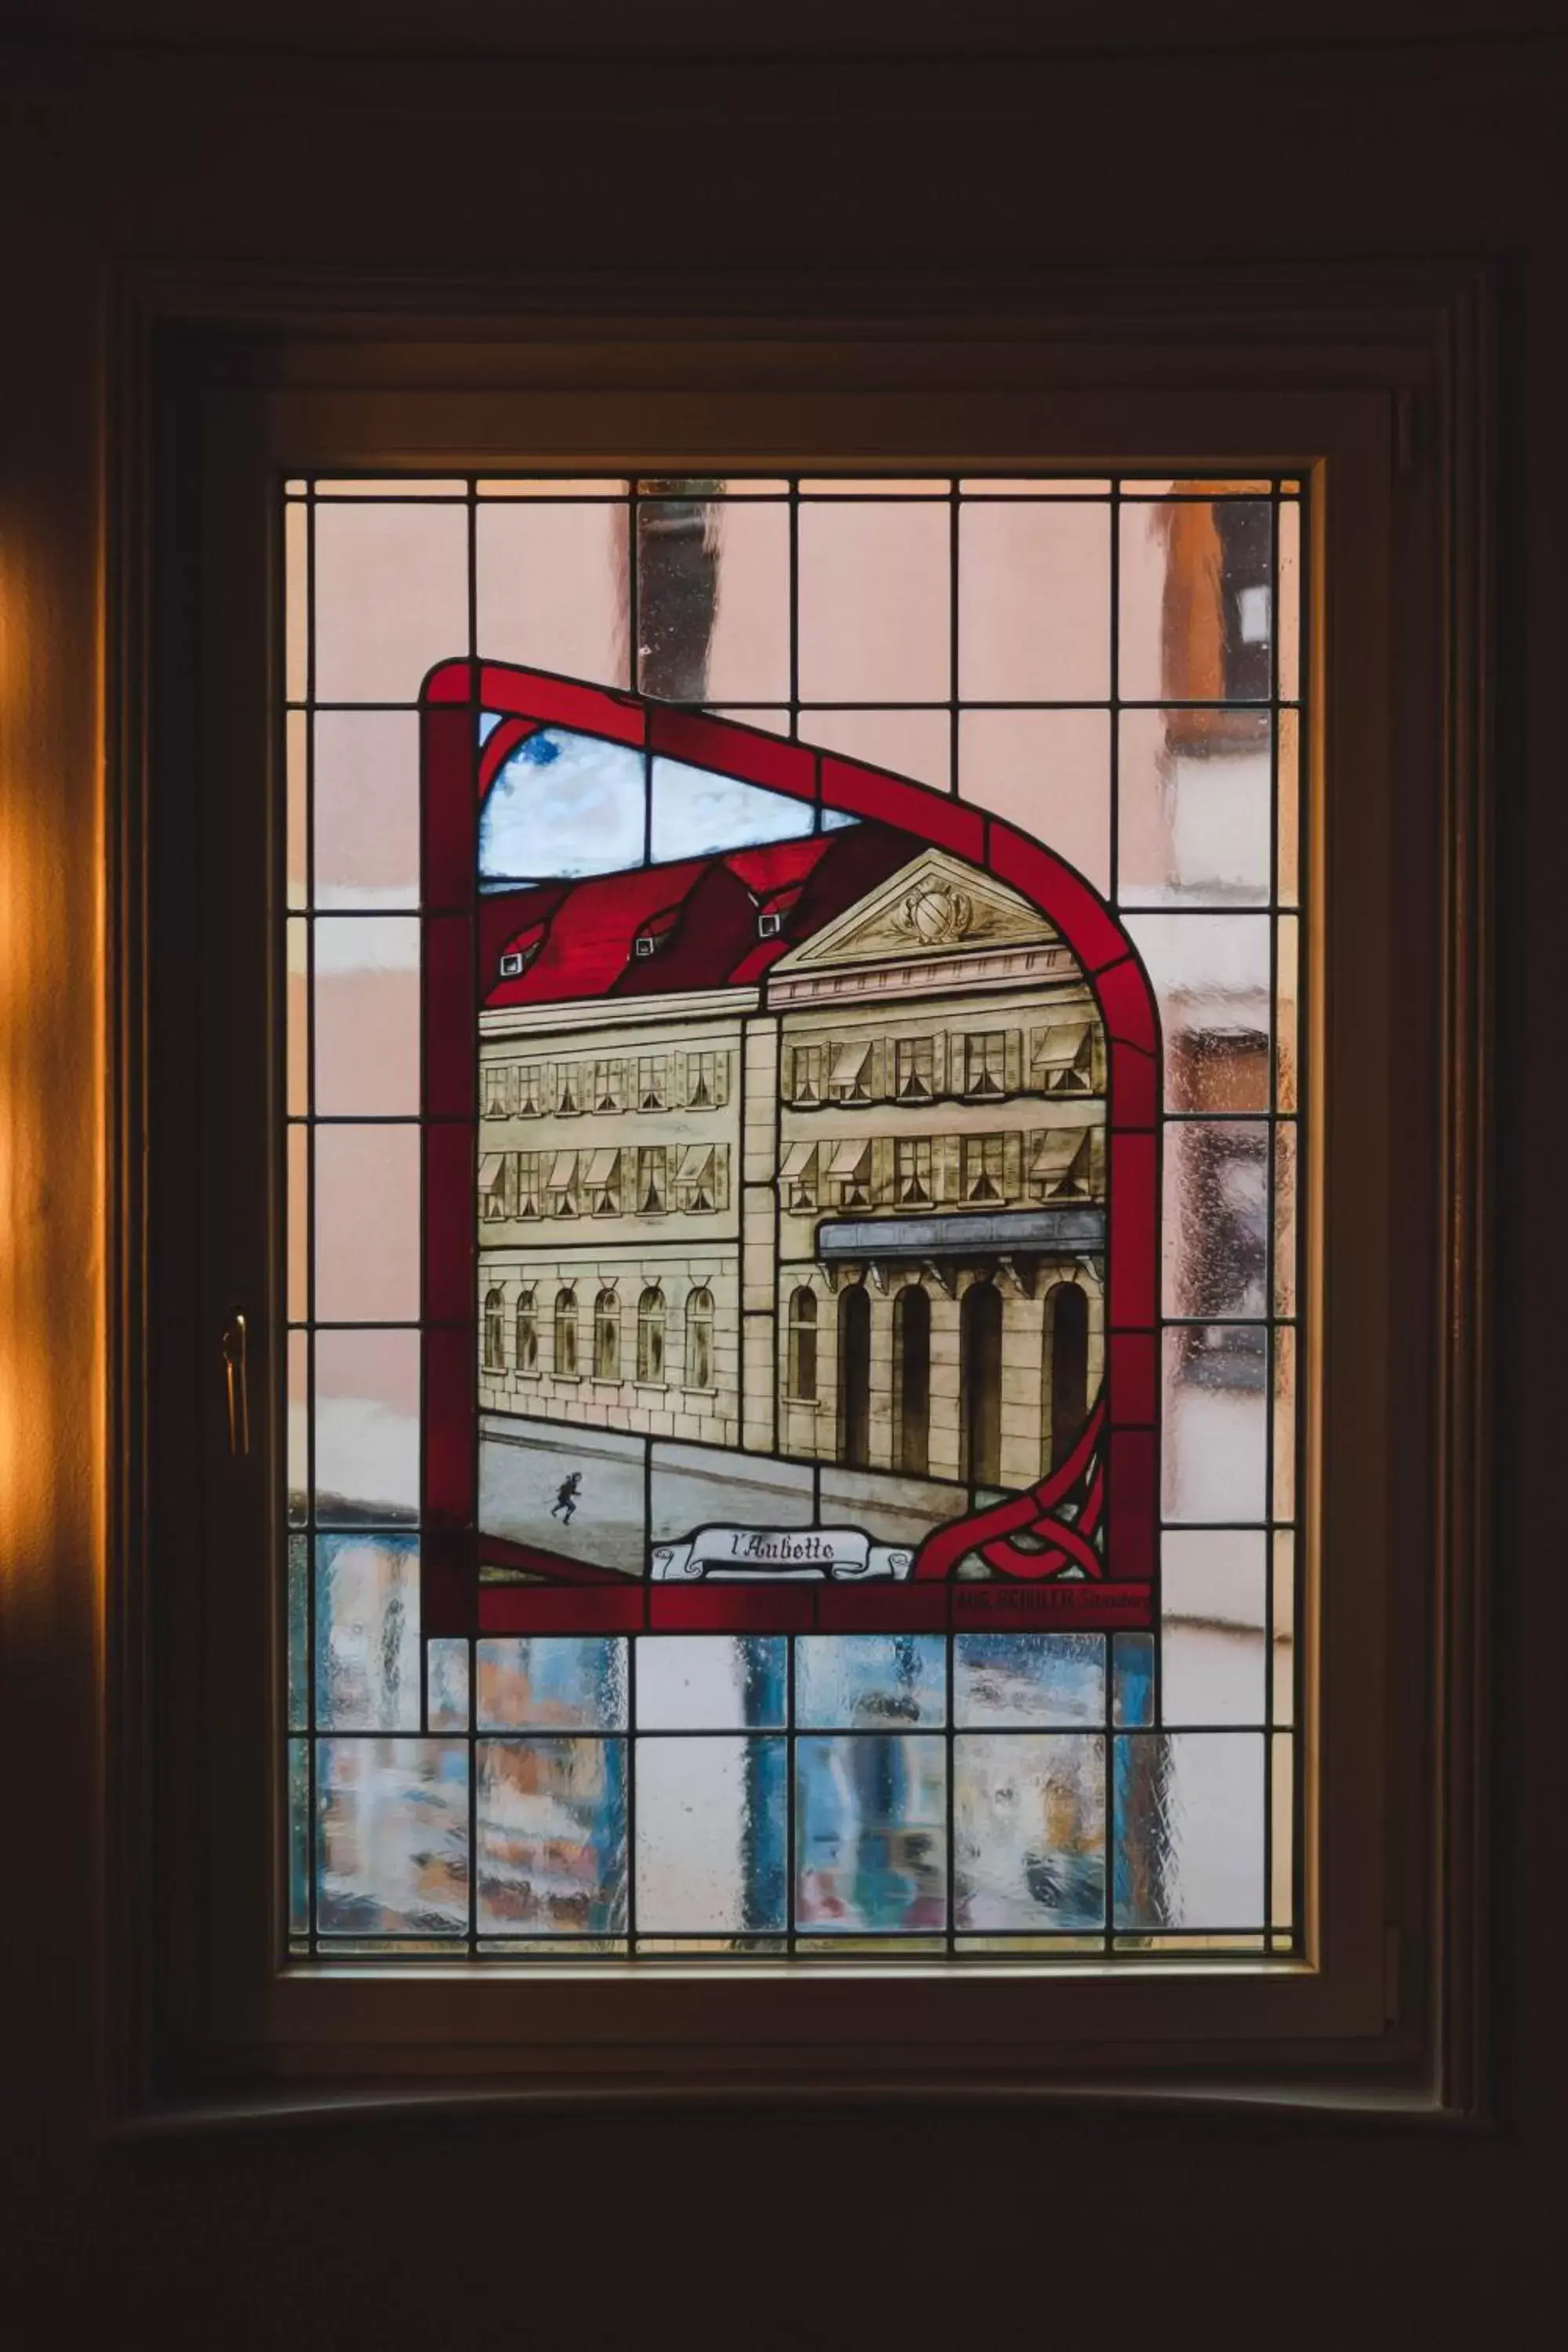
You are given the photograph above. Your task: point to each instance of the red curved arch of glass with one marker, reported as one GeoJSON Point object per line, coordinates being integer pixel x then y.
{"type": "Point", "coordinates": [1111, 1477]}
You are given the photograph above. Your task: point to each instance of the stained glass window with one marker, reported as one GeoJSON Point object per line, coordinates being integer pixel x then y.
{"type": "Point", "coordinates": [793, 1032]}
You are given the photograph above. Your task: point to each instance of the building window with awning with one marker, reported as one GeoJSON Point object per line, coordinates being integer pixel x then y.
{"type": "Point", "coordinates": [604, 1181]}
{"type": "Point", "coordinates": [850, 1170]}
{"type": "Point", "coordinates": [492, 1187]}
{"type": "Point", "coordinates": [697, 1183]}
{"type": "Point", "coordinates": [1061, 1164]}
{"type": "Point", "coordinates": [849, 1072]}
{"type": "Point", "coordinates": [1061, 1060]}
{"type": "Point", "coordinates": [564, 1199]}
{"type": "Point", "coordinates": [798, 1173]}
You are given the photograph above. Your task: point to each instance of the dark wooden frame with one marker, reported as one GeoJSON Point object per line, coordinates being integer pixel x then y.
{"type": "Point", "coordinates": [398, 373]}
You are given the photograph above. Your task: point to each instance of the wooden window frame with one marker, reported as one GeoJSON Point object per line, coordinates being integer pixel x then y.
{"type": "Point", "coordinates": [1376, 390]}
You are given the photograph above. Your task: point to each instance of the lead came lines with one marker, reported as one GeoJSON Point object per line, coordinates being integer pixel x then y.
{"type": "Point", "coordinates": [468, 494]}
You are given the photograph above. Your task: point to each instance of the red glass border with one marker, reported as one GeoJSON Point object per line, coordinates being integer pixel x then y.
{"type": "Point", "coordinates": [1116, 1465]}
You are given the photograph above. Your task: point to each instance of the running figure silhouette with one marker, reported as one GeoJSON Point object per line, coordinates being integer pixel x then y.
{"type": "Point", "coordinates": [566, 1501]}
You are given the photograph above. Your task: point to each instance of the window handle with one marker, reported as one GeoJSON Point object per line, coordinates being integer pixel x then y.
{"type": "Point", "coordinates": [237, 1383]}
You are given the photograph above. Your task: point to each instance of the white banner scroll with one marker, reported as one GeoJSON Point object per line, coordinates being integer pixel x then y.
{"type": "Point", "coordinates": [839, 1555]}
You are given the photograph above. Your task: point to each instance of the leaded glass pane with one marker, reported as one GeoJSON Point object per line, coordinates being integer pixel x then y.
{"type": "Point", "coordinates": [794, 1028]}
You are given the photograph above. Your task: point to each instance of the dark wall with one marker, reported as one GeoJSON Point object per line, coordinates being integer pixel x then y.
{"type": "Point", "coordinates": [806, 2230]}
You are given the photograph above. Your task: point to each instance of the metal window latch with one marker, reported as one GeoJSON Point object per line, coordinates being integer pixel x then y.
{"type": "Point", "coordinates": [235, 1346]}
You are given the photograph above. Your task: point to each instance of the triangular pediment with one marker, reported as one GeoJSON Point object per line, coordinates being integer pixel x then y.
{"type": "Point", "coordinates": [934, 907]}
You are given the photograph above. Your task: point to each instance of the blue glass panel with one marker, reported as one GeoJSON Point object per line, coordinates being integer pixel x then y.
{"type": "Point", "coordinates": [1133, 1701]}
{"type": "Point", "coordinates": [550, 1682]}
{"type": "Point", "coordinates": [367, 1632]}
{"type": "Point", "coordinates": [871, 1834]}
{"type": "Point", "coordinates": [1026, 1678]}
{"type": "Point", "coordinates": [870, 1681]}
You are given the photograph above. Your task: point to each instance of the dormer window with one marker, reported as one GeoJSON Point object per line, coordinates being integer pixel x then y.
{"type": "Point", "coordinates": [512, 965]}
{"type": "Point", "coordinates": [769, 925]}
{"type": "Point", "coordinates": [644, 945]}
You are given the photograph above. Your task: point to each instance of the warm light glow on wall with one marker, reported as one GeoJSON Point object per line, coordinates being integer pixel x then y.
{"type": "Point", "coordinates": [50, 1143]}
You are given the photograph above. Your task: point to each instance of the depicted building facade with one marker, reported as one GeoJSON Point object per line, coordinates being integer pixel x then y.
{"type": "Point", "coordinates": [849, 1213]}
{"type": "Point", "coordinates": [941, 1180]}
{"type": "Point", "coordinates": [609, 1216]}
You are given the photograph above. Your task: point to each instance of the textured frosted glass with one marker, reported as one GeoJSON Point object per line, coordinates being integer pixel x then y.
{"type": "Point", "coordinates": [1024, 1678]}
{"type": "Point", "coordinates": [1133, 1688]}
{"type": "Point", "coordinates": [1215, 1238]}
{"type": "Point", "coordinates": [447, 1683]}
{"type": "Point", "coordinates": [299, 1425]}
{"type": "Point", "coordinates": [551, 1826]}
{"type": "Point", "coordinates": [711, 1834]}
{"type": "Point", "coordinates": [552, 1682]}
{"type": "Point", "coordinates": [1047, 771]}
{"type": "Point", "coordinates": [1197, 602]}
{"type": "Point", "coordinates": [550, 585]}
{"type": "Point", "coordinates": [1213, 1459]}
{"type": "Point", "coordinates": [367, 1426]}
{"type": "Point", "coordinates": [1194, 808]}
{"type": "Point", "coordinates": [366, 983]}
{"type": "Point", "coordinates": [1213, 1604]}
{"type": "Point", "coordinates": [870, 1682]}
{"type": "Point", "coordinates": [367, 1224]}
{"type": "Point", "coordinates": [392, 598]}
{"type": "Point", "coordinates": [1212, 981]}
{"type": "Point", "coordinates": [299, 1634]}
{"type": "Point", "coordinates": [917, 743]}
{"type": "Point", "coordinates": [712, 1682]}
{"type": "Point", "coordinates": [367, 1632]}
{"type": "Point", "coordinates": [391, 1853]}
{"type": "Point", "coordinates": [1034, 586]}
{"type": "Point", "coordinates": [714, 600]}
{"type": "Point", "coordinates": [365, 794]}
{"type": "Point", "coordinates": [870, 1833]}
{"type": "Point", "coordinates": [1028, 1829]}
{"type": "Point", "coordinates": [1189, 1817]}
{"type": "Point", "coordinates": [299, 1837]}
{"type": "Point", "coordinates": [874, 601]}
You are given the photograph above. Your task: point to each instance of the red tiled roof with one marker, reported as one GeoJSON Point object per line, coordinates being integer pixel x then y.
{"type": "Point", "coordinates": [702, 912]}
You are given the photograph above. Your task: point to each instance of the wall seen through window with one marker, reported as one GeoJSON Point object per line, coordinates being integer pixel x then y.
{"type": "Point", "coordinates": [791, 1255]}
